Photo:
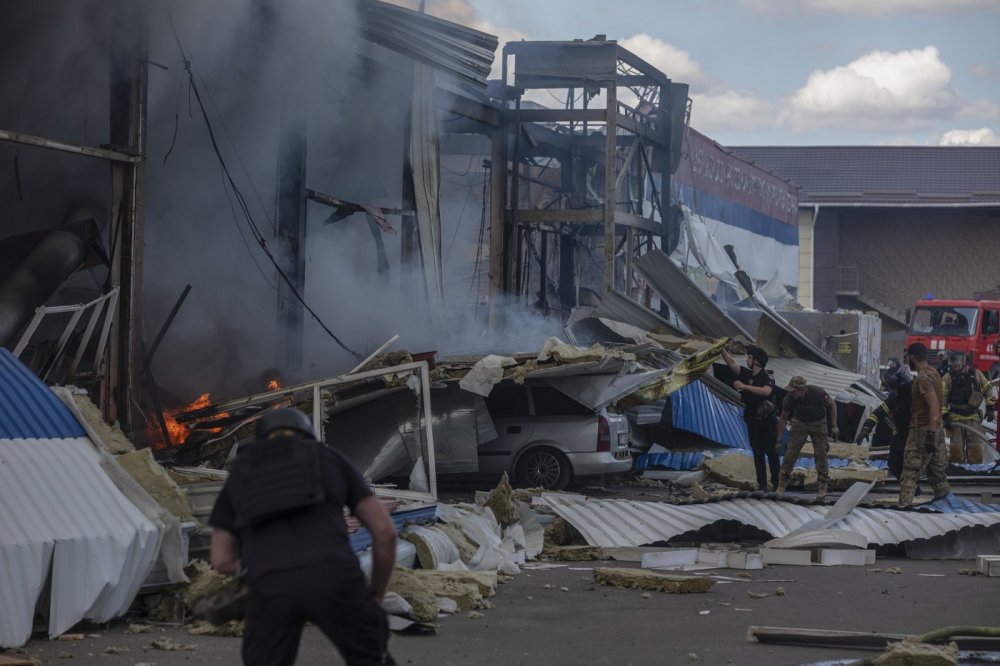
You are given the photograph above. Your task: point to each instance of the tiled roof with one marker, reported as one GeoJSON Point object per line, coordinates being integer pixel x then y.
{"type": "Point", "coordinates": [28, 408]}
{"type": "Point", "coordinates": [922, 175]}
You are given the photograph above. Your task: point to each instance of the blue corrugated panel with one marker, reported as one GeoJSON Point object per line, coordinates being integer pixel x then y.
{"type": "Point", "coordinates": [362, 539]}
{"type": "Point", "coordinates": [28, 408]}
{"type": "Point", "coordinates": [698, 411]}
{"type": "Point", "coordinates": [980, 468]}
{"type": "Point", "coordinates": [952, 503]}
{"type": "Point", "coordinates": [669, 460]}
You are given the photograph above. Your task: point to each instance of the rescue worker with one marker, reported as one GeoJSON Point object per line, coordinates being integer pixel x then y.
{"type": "Point", "coordinates": [756, 387]}
{"type": "Point", "coordinates": [893, 415]}
{"type": "Point", "coordinates": [965, 389]}
{"type": "Point", "coordinates": [280, 520]}
{"type": "Point", "coordinates": [925, 441]}
{"type": "Point", "coordinates": [813, 414]}
{"type": "Point", "coordinates": [942, 363]}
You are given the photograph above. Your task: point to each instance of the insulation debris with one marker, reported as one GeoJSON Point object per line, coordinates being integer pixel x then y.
{"type": "Point", "coordinates": [500, 501]}
{"type": "Point", "coordinates": [561, 533]}
{"type": "Point", "coordinates": [157, 482]}
{"type": "Point", "coordinates": [435, 548]}
{"type": "Point", "coordinates": [422, 587]}
{"type": "Point", "coordinates": [574, 553]}
{"type": "Point", "coordinates": [111, 435]}
{"type": "Point", "coordinates": [911, 653]}
{"type": "Point", "coordinates": [164, 643]}
{"type": "Point", "coordinates": [205, 628]}
{"type": "Point", "coordinates": [466, 547]}
{"type": "Point", "coordinates": [638, 579]}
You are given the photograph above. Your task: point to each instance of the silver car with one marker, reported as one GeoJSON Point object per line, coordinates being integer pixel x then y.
{"type": "Point", "coordinates": [546, 439]}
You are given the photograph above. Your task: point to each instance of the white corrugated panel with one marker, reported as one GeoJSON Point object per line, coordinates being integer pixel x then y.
{"type": "Point", "coordinates": [58, 506]}
{"type": "Point", "coordinates": [838, 383]}
{"type": "Point", "coordinates": [614, 523]}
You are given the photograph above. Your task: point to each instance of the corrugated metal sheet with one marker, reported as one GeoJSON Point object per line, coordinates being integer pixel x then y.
{"type": "Point", "coordinates": [616, 523]}
{"type": "Point", "coordinates": [61, 516]}
{"type": "Point", "coordinates": [622, 308]}
{"type": "Point", "coordinates": [28, 408]}
{"type": "Point", "coordinates": [448, 47]}
{"type": "Point", "coordinates": [692, 305]}
{"type": "Point", "coordinates": [697, 410]}
{"type": "Point", "coordinates": [840, 384]}
{"type": "Point", "coordinates": [671, 460]}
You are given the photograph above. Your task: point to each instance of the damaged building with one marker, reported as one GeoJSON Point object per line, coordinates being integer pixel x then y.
{"type": "Point", "coordinates": [457, 258]}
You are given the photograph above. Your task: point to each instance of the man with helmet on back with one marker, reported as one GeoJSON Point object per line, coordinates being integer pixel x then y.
{"type": "Point", "coordinates": [965, 389]}
{"type": "Point", "coordinates": [894, 415]}
{"type": "Point", "coordinates": [280, 519]}
{"type": "Point", "coordinates": [757, 392]}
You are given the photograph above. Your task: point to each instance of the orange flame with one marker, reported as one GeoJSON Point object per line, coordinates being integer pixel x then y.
{"type": "Point", "coordinates": [178, 431]}
{"type": "Point", "coordinates": [273, 385]}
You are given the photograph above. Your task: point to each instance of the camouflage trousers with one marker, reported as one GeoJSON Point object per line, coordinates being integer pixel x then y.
{"type": "Point", "coordinates": [916, 457]}
{"type": "Point", "coordinates": [800, 430]}
{"type": "Point", "coordinates": [965, 446]}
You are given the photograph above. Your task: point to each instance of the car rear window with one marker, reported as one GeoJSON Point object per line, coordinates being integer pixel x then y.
{"type": "Point", "coordinates": [507, 399]}
{"type": "Point", "coordinates": [550, 402]}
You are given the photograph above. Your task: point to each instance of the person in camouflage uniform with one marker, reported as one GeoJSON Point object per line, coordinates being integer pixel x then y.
{"type": "Point", "coordinates": [814, 415]}
{"type": "Point", "coordinates": [925, 446]}
{"type": "Point", "coordinates": [964, 389]}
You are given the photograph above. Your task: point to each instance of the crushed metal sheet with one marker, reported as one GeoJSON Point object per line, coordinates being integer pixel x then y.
{"type": "Point", "coordinates": [639, 579]}
{"type": "Point", "coordinates": [616, 523]}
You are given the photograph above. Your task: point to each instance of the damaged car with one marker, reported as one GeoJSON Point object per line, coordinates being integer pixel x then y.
{"type": "Point", "coordinates": [546, 439]}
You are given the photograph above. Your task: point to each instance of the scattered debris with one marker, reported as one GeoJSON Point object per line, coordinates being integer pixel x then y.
{"type": "Point", "coordinates": [113, 649]}
{"type": "Point", "coordinates": [70, 637]}
{"type": "Point", "coordinates": [970, 572]}
{"type": "Point", "coordinates": [206, 628]}
{"type": "Point", "coordinates": [475, 615]}
{"type": "Point", "coordinates": [574, 553]}
{"type": "Point", "coordinates": [501, 502]}
{"type": "Point", "coordinates": [894, 570]}
{"type": "Point", "coordinates": [779, 592]}
{"type": "Point", "coordinates": [167, 645]}
{"type": "Point", "coordinates": [136, 628]}
{"type": "Point", "coordinates": [157, 482]}
{"type": "Point", "coordinates": [638, 579]}
{"type": "Point", "coordinates": [912, 653]}
{"type": "Point", "coordinates": [757, 595]}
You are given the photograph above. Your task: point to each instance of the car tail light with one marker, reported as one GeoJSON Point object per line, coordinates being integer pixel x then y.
{"type": "Point", "coordinates": [603, 434]}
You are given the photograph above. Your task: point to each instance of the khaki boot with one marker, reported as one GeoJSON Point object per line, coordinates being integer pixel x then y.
{"type": "Point", "coordinates": [820, 490]}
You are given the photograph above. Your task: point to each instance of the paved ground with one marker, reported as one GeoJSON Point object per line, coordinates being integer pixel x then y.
{"type": "Point", "coordinates": [534, 621]}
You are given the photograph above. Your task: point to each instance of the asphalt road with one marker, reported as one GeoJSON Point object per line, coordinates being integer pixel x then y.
{"type": "Point", "coordinates": [534, 621]}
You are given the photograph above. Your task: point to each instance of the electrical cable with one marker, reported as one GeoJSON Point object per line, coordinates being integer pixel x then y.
{"type": "Point", "coordinates": [241, 200]}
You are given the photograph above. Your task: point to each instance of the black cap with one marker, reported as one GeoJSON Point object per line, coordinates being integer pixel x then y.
{"type": "Point", "coordinates": [758, 354]}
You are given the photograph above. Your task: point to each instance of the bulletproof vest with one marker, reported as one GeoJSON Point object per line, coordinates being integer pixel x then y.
{"type": "Point", "coordinates": [273, 476]}
{"type": "Point", "coordinates": [811, 407]}
{"type": "Point", "coordinates": [963, 385]}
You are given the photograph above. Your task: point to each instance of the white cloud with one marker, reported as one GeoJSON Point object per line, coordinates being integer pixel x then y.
{"type": "Point", "coordinates": [730, 110]}
{"type": "Point", "coordinates": [879, 88]}
{"type": "Point", "coordinates": [672, 61]}
{"type": "Point", "coordinates": [868, 7]}
{"type": "Point", "coordinates": [983, 136]}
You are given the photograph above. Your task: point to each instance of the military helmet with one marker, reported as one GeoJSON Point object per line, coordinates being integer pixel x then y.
{"type": "Point", "coordinates": [287, 418]}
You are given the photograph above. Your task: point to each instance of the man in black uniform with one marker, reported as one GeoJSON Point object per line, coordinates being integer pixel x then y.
{"type": "Point", "coordinates": [756, 389]}
{"type": "Point", "coordinates": [893, 415]}
{"type": "Point", "coordinates": [280, 518]}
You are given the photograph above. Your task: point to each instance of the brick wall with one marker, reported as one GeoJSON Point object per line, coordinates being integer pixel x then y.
{"type": "Point", "coordinates": [910, 253]}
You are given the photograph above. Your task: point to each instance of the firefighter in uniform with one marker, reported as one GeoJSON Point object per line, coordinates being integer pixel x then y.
{"type": "Point", "coordinates": [813, 414]}
{"type": "Point", "coordinates": [893, 415]}
{"type": "Point", "coordinates": [280, 521]}
{"type": "Point", "coordinates": [965, 388]}
{"type": "Point", "coordinates": [925, 441]}
{"type": "Point", "coordinates": [756, 389]}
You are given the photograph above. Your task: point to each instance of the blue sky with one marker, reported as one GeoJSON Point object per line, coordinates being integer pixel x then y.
{"type": "Point", "coordinates": [795, 72]}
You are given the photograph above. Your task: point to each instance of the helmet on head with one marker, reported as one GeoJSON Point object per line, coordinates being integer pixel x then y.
{"type": "Point", "coordinates": [893, 363]}
{"type": "Point", "coordinates": [287, 418]}
{"type": "Point", "coordinates": [956, 359]}
{"type": "Point", "coordinates": [758, 355]}
{"type": "Point", "coordinates": [898, 379]}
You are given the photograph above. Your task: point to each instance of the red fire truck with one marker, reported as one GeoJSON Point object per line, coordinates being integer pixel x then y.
{"type": "Point", "coordinates": [968, 326]}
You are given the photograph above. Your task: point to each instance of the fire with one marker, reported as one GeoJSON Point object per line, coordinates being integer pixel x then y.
{"type": "Point", "coordinates": [273, 385]}
{"type": "Point", "coordinates": [178, 431]}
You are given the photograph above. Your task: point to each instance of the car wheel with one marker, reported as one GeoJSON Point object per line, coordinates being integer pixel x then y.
{"type": "Point", "coordinates": [543, 468]}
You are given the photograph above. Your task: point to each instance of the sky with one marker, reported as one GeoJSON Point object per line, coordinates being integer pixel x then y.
{"type": "Point", "coordinates": [793, 72]}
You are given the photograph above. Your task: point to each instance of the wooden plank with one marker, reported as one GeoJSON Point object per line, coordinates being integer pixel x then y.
{"type": "Point", "coordinates": [856, 640]}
